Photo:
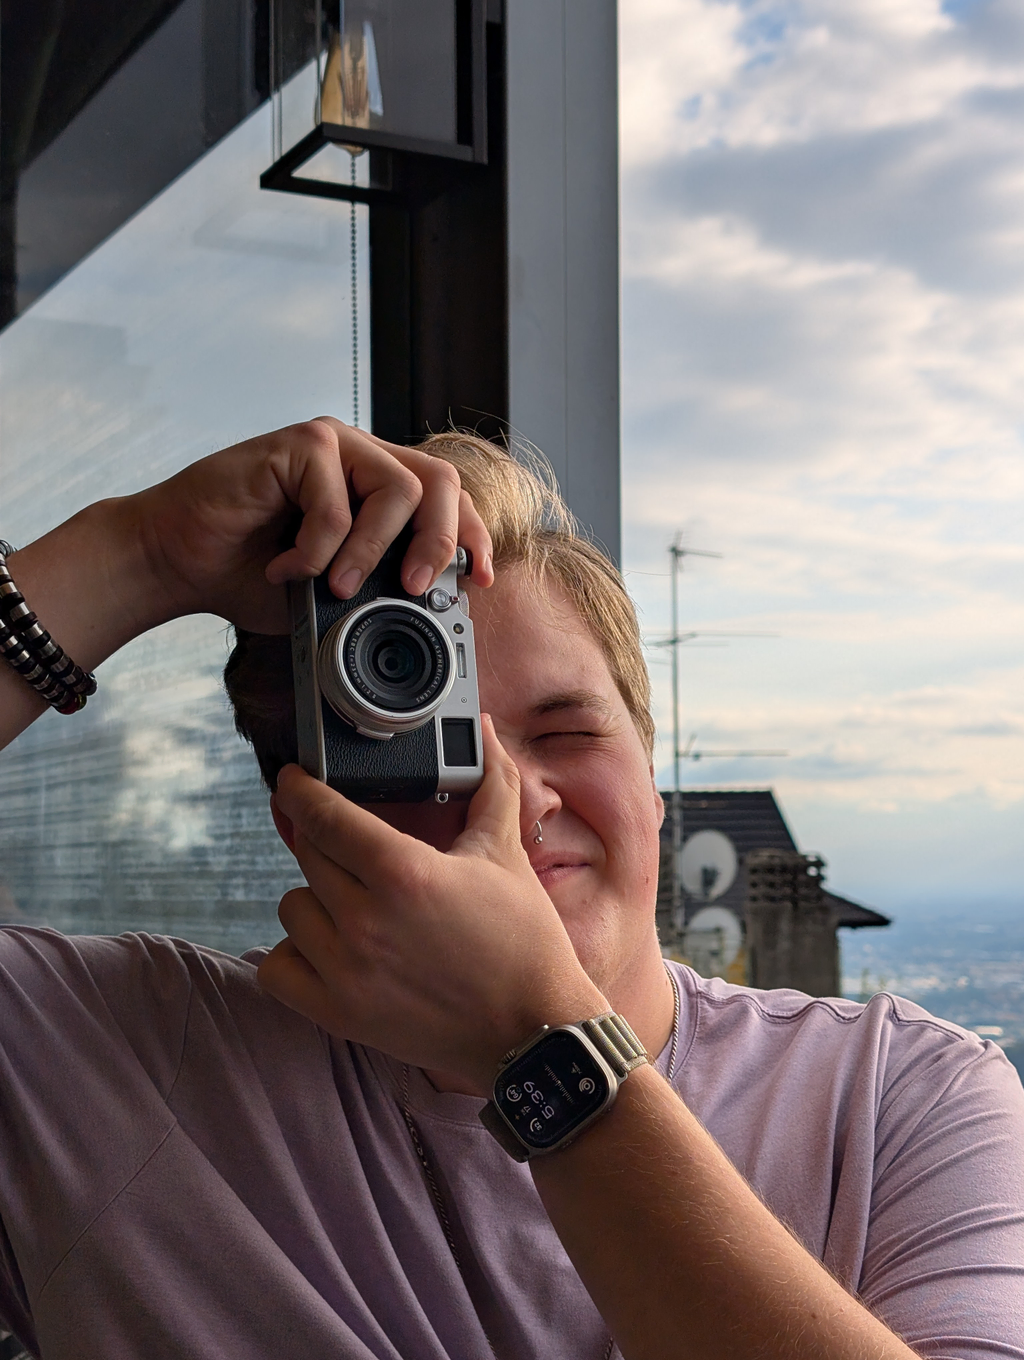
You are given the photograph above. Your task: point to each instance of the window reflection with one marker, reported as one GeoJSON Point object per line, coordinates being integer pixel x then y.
{"type": "Point", "coordinates": [386, 65]}
{"type": "Point", "coordinates": [219, 311]}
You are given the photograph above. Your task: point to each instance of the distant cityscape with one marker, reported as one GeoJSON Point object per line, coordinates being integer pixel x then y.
{"type": "Point", "coordinates": [967, 968]}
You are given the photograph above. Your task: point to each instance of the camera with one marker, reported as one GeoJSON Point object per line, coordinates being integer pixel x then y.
{"type": "Point", "coordinates": [386, 701]}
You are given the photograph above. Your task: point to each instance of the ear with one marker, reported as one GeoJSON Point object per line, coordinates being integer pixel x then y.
{"type": "Point", "coordinates": [285, 829]}
{"type": "Point", "coordinates": [659, 802]}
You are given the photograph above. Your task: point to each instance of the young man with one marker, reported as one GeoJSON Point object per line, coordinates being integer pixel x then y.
{"type": "Point", "coordinates": [190, 1167]}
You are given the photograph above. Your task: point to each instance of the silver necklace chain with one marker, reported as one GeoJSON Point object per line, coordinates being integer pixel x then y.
{"type": "Point", "coordinates": [435, 1190]}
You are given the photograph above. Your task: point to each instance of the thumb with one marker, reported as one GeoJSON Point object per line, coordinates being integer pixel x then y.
{"type": "Point", "coordinates": [492, 821]}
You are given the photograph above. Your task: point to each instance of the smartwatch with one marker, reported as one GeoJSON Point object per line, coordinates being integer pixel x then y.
{"type": "Point", "coordinates": [555, 1085]}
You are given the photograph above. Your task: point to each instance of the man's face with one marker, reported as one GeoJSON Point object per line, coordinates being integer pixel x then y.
{"type": "Point", "coordinates": [585, 775]}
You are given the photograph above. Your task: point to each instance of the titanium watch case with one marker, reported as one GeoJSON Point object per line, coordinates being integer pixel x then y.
{"type": "Point", "coordinates": [556, 1084]}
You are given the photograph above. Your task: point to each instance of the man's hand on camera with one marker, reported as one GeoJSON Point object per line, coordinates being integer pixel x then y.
{"type": "Point", "coordinates": [224, 535]}
{"type": "Point", "coordinates": [445, 961]}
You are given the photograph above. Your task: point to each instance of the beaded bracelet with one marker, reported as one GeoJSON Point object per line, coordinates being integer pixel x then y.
{"type": "Point", "coordinates": [27, 647]}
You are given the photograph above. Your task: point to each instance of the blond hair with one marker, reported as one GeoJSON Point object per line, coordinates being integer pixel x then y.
{"type": "Point", "coordinates": [531, 527]}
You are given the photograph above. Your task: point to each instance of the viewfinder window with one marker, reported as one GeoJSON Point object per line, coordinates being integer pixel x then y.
{"type": "Point", "coordinates": [457, 741]}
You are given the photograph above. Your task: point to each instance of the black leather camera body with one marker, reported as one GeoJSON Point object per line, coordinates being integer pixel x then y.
{"type": "Point", "coordinates": [386, 701]}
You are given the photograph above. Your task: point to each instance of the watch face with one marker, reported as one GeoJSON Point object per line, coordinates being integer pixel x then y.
{"type": "Point", "coordinates": [551, 1090]}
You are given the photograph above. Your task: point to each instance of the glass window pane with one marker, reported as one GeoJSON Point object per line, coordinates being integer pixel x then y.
{"type": "Point", "coordinates": [219, 311]}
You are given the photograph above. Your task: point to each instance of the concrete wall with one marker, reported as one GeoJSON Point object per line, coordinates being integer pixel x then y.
{"type": "Point", "coordinates": [791, 930]}
{"type": "Point", "coordinates": [563, 244]}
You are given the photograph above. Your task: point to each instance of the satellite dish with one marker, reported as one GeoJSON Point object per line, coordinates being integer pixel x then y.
{"type": "Point", "coordinates": [707, 865]}
{"type": "Point", "coordinates": [714, 923]}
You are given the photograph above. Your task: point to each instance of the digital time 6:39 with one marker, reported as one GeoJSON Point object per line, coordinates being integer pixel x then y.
{"type": "Point", "coordinates": [551, 1089]}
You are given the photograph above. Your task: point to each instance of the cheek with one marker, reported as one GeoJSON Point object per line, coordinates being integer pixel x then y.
{"type": "Point", "coordinates": [618, 804]}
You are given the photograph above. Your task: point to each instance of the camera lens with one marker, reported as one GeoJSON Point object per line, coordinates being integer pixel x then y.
{"type": "Point", "coordinates": [395, 660]}
{"type": "Point", "coordinates": [386, 667]}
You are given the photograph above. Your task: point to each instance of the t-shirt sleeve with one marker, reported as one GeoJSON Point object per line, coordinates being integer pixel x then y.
{"type": "Point", "coordinates": [944, 1259]}
{"type": "Point", "coordinates": [91, 1036]}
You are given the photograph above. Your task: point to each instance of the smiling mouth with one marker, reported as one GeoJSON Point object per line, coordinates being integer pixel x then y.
{"type": "Point", "coordinates": [556, 871]}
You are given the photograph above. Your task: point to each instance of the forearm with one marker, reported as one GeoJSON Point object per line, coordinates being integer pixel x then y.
{"type": "Point", "coordinates": [90, 585]}
{"type": "Point", "coordinates": [680, 1255]}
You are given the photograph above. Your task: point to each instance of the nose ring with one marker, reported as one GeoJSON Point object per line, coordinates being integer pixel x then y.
{"type": "Point", "coordinates": [539, 836]}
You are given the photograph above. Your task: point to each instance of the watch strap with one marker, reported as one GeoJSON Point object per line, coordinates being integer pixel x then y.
{"type": "Point", "coordinates": [502, 1134]}
{"type": "Point", "coordinates": [614, 1039]}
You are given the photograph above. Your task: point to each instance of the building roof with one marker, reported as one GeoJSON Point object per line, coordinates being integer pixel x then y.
{"type": "Point", "coordinates": [853, 914]}
{"type": "Point", "coordinates": [752, 820]}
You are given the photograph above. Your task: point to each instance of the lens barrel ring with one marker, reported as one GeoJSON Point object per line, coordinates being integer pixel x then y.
{"type": "Point", "coordinates": [386, 667]}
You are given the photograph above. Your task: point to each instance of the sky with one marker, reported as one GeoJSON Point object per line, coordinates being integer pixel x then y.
{"type": "Point", "coordinates": [823, 352]}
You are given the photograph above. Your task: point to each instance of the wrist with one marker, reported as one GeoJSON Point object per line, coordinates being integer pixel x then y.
{"type": "Point", "coordinates": [570, 1006]}
{"type": "Point", "coordinates": [89, 582]}
{"type": "Point", "coordinates": [574, 1002]}
{"type": "Point", "coordinates": [152, 519]}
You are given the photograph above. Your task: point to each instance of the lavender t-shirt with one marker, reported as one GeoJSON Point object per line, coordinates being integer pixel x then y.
{"type": "Point", "coordinates": [189, 1169]}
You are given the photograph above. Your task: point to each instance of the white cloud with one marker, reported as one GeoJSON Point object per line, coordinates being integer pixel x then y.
{"type": "Point", "coordinates": [708, 74]}
{"type": "Point", "coordinates": [880, 751]}
{"type": "Point", "coordinates": [780, 348]}
{"type": "Point", "coordinates": [672, 52]}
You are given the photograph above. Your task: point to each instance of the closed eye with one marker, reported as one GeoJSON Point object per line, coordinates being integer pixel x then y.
{"type": "Point", "coordinates": [567, 734]}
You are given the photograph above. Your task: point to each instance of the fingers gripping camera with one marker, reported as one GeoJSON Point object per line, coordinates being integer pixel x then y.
{"type": "Point", "coordinates": [386, 701]}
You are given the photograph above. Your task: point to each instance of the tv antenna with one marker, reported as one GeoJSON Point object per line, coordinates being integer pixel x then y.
{"type": "Point", "coordinates": [675, 640]}
{"type": "Point", "coordinates": [690, 753]}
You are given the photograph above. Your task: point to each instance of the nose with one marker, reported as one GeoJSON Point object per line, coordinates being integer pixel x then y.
{"type": "Point", "coordinates": [538, 799]}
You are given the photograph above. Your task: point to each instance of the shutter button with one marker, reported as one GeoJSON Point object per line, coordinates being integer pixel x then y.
{"type": "Point", "coordinates": [439, 600]}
